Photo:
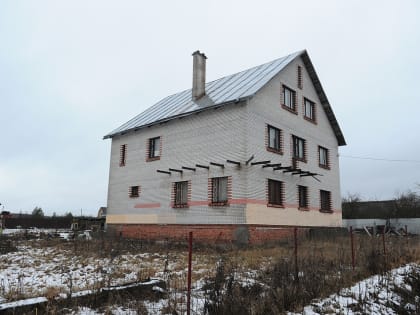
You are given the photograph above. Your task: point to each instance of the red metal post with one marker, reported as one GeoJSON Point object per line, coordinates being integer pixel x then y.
{"type": "Point", "coordinates": [190, 240]}
{"type": "Point", "coordinates": [296, 250]}
{"type": "Point", "coordinates": [352, 247]}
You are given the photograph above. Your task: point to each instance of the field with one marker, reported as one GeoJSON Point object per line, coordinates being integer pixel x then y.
{"type": "Point", "coordinates": [226, 279]}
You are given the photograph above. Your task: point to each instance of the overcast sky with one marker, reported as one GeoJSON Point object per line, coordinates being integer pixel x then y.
{"type": "Point", "coordinates": [71, 71]}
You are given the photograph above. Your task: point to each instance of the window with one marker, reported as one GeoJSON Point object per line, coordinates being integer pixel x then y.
{"type": "Point", "coordinates": [274, 139]}
{"type": "Point", "coordinates": [309, 110]}
{"type": "Point", "coordinates": [299, 149]}
{"type": "Point", "coordinates": [123, 154]}
{"type": "Point", "coordinates": [154, 148]}
{"type": "Point", "coordinates": [299, 77]}
{"type": "Point", "coordinates": [275, 193]}
{"type": "Point", "coordinates": [323, 157]}
{"type": "Point", "coordinates": [289, 99]}
{"type": "Point", "coordinates": [181, 194]}
{"type": "Point", "coordinates": [219, 190]}
{"type": "Point", "coordinates": [134, 191]}
{"type": "Point", "coordinates": [325, 198]}
{"type": "Point", "coordinates": [303, 197]}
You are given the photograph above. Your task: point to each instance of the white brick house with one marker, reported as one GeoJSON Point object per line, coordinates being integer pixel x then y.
{"type": "Point", "coordinates": [248, 154]}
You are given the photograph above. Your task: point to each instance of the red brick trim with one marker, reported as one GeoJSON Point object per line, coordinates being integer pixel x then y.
{"type": "Point", "coordinates": [147, 205]}
{"type": "Point", "coordinates": [123, 154]}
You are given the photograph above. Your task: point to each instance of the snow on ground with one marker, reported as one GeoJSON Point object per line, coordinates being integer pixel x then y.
{"type": "Point", "coordinates": [32, 272]}
{"type": "Point", "coordinates": [373, 295]}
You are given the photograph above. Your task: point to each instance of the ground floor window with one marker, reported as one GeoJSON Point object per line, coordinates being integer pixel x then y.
{"type": "Point", "coordinates": [275, 193]}
{"type": "Point", "coordinates": [219, 190]}
{"type": "Point", "coordinates": [325, 200]}
{"type": "Point", "coordinates": [134, 191]}
{"type": "Point", "coordinates": [303, 197]}
{"type": "Point", "coordinates": [181, 194]}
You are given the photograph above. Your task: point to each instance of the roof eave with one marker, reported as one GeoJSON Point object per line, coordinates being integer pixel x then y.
{"type": "Point", "coordinates": [164, 120]}
{"type": "Point", "coordinates": [323, 98]}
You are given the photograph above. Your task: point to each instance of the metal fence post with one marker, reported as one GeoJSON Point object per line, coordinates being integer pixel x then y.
{"type": "Point", "coordinates": [352, 246]}
{"type": "Point", "coordinates": [190, 239]}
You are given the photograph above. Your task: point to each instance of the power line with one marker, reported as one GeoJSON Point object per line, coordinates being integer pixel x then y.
{"type": "Point", "coordinates": [378, 159]}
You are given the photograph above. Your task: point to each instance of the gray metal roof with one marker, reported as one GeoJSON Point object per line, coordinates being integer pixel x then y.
{"type": "Point", "coordinates": [232, 88]}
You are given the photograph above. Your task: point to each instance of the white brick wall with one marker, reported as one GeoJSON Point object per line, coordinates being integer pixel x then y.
{"type": "Point", "coordinates": [232, 132]}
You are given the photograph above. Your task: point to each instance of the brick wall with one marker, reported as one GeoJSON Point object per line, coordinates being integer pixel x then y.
{"type": "Point", "coordinates": [223, 233]}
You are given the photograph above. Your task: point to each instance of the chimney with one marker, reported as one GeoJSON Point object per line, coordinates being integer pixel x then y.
{"type": "Point", "coordinates": [199, 75]}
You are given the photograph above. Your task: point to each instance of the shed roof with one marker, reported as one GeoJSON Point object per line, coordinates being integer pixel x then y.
{"type": "Point", "coordinates": [226, 90]}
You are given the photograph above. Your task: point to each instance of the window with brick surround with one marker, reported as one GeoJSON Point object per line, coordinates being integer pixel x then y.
{"type": "Point", "coordinates": [181, 194]}
{"type": "Point", "coordinates": [274, 139]}
{"type": "Point", "coordinates": [219, 194]}
{"type": "Point", "coordinates": [154, 148]}
{"type": "Point", "coordinates": [289, 99]}
{"type": "Point", "coordinates": [324, 160]}
{"type": "Point", "coordinates": [303, 197]}
{"type": "Point", "coordinates": [134, 192]}
{"type": "Point", "coordinates": [299, 77]}
{"type": "Point", "coordinates": [275, 193]}
{"type": "Point", "coordinates": [309, 110]}
{"type": "Point", "coordinates": [299, 149]}
{"type": "Point", "coordinates": [325, 201]}
{"type": "Point", "coordinates": [123, 154]}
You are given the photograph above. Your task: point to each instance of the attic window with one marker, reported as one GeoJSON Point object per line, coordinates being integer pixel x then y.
{"type": "Point", "coordinates": [289, 99]}
{"type": "Point", "coordinates": [309, 110]}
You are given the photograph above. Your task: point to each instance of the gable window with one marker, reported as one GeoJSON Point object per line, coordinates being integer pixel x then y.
{"type": "Point", "coordinates": [299, 150]}
{"type": "Point", "coordinates": [134, 192]}
{"type": "Point", "coordinates": [325, 201]}
{"type": "Point", "coordinates": [274, 139]}
{"type": "Point", "coordinates": [303, 197]}
{"type": "Point", "coordinates": [181, 194]}
{"type": "Point", "coordinates": [219, 193]}
{"type": "Point", "coordinates": [323, 157]}
{"type": "Point", "coordinates": [289, 99]}
{"type": "Point", "coordinates": [275, 193]}
{"type": "Point", "coordinates": [309, 110]}
{"type": "Point", "coordinates": [154, 148]}
{"type": "Point", "coordinates": [123, 154]}
{"type": "Point", "coordinates": [299, 77]}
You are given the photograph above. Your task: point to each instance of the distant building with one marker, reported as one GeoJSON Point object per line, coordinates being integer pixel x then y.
{"type": "Point", "coordinates": [102, 212]}
{"type": "Point", "coordinates": [245, 156]}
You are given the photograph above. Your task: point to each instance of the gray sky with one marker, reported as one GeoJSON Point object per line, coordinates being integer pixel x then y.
{"type": "Point", "coordinates": [71, 71]}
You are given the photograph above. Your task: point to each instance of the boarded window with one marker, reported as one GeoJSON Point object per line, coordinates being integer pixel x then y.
{"type": "Point", "coordinates": [181, 194]}
{"type": "Point", "coordinates": [325, 200]}
{"type": "Point", "coordinates": [134, 191]}
{"type": "Point", "coordinates": [219, 190]}
{"type": "Point", "coordinates": [123, 154]}
{"type": "Point", "coordinates": [275, 193]}
{"type": "Point", "coordinates": [303, 196]}
{"type": "Point", "coordinates": [299, 77]}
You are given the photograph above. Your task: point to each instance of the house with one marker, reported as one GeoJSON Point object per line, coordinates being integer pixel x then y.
{"type": "Point", "coordinates": [243, 158]}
